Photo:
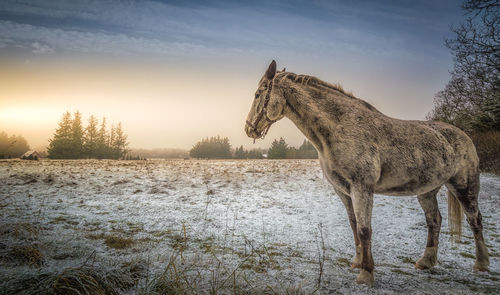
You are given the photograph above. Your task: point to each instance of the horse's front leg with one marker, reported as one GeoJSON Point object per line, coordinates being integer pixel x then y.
{"type": "Point", "coordinates": [362, 199]}
{"type": "Point", "coordinates": [346, 200]}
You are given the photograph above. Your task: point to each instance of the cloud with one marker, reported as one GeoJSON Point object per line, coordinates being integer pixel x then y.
{"type": "Point", "coordinates": [39, 48]}
{"type": "Point", "coordinates": [88, 42]}
{"type": "Point", "coordinates": [217, 29]}
{"type": "Point", "coordinates": [131, 27]}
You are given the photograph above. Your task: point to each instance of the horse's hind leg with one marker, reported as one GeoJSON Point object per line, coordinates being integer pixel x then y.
{"type": "Point", "coordinates": [429, 203]}
{"type": "Point", "coordinates": [466, 190]}
{"type": "Point", "coordinates": [346, 200]}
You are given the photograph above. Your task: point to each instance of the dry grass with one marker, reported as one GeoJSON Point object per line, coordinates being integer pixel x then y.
{"type": "Point", "coordinates": [112, 241]}
{"type": "Point", "coordinates": [85, 279]}
{"type": "Point", "coordinates": [190, 277]}
{"type": "Point", "coordinates": [21, 245]}
{"type": "Point", "coordinates": [117, 242]}
{"type": "Point", "coordinates": [21, 231]}
{"type": "Point", "coordinates": [26, 254]}
{"type": "Point", "coordinates": [80, 281]}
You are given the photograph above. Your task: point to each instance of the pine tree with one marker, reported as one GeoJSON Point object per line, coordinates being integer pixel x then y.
{"type": "Point", "coordinates": [110, 153]}
{"type": "Point", "coordinates": [292, 153]}
{"type": "Point", "coordinates": [102, 141]}
{"type": "Point", "coordinates": [72, 141]}
{"type": "Point", "coordinates": [255, 154]}
{"type": "Point", "coordinates": [77, 136]}
{"type": "Point", "coordinates": [60, 144]}
{"type": "Point", "coordinates": [90, 138]}
{"type": "Point", "coordinates": [119, 143]}
{"type": "Point", "coordinates": [225, 149]}
{"type": "Point", "coordinates": [4, 145]}
{"type": "Point", "coordinates": [240, 153]}
{"type": "Point", "coordinates": [307, 151]}
{"type": "Point", "coordinates": [278, 149]}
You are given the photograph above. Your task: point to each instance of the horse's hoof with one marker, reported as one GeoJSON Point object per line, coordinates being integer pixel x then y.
{"type": "Point", "coordinates": [356, 262]}
{"type": "Point", "coordinates": [481, 267]}
{"type": "Point", "coordinates": [428, 260]}
{"type": "Point", "coordinates": [366, 278]}
{"type": "Point", "coordinates": [423, 264]}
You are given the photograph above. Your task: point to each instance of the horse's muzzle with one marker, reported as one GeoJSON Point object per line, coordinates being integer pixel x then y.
{"type": "Point", "coordinates": [251, 131]}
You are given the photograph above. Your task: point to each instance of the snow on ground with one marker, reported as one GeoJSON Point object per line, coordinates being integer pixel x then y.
{"type": "Point", "coordinates": [261, 219]}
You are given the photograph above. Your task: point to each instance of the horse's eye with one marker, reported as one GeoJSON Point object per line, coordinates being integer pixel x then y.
{"type": "Point", "coordinates": [256, 95]}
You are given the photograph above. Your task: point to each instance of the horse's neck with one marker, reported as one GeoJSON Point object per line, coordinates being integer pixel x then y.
{"type": "Point", "coordinates": [308, 113]}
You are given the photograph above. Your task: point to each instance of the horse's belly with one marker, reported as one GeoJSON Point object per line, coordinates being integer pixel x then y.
{"type": "Point", "coordinates": [400, 184]}
{"type": "Point", "coordinates": [407, 189]}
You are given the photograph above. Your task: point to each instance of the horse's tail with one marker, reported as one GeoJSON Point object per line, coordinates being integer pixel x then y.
{"type": "Point", "coordinates": [455, 214]}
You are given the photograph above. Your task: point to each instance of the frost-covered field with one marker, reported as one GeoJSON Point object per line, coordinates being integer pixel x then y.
{"type": "Point", "coordinates": [216, 227]}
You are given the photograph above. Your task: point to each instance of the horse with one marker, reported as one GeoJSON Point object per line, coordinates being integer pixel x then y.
{"type": "Point", "coordinates": [363, 152]}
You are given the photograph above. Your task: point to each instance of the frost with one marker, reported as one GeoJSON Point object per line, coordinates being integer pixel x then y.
{"type": "Point", "coordinates": [256, 218]}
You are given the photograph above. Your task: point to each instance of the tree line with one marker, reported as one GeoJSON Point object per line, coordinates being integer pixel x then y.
{"type": "Point", "coordinates": [72, 140]}
{"type": "Point", "coordinates": [220, 148]}
{"type": "Point", "coordinates": [281, 150]}
{"type": "Point", "coordinates": [471, 99]}
{"type": "Point", "coordinates": [241, 153]}
{"type": "Point", "coordinates": [213, 147]}
{"type": "Point", "coordinates": [12, 146]}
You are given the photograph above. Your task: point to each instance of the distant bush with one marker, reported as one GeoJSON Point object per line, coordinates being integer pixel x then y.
{"type": "Point", "coordinates": [488, 149]}
{"type": "Point", "coordinates": [255, 154]}
{"type": "Point", "coordinates": [241, 153]}
{"type": "Point", "coordinates": [212, 148]}
{"type": "Point", "coordinates": [220, 148]}
{"type": "Point", "coordinates": [12, 146]}
{"type": "Point", "coordinates": [280, 150]}
{"type": "Point", "coordinates": [307, 151]}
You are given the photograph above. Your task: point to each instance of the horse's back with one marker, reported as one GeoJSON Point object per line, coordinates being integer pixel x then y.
{"type": "Point", "coordinates": [462, 144]}
{"type": "Point", "coordinates": [467, 161]}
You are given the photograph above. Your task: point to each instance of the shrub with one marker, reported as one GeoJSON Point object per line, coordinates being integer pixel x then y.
{"type": "Point", "coordinates": [488, 150]}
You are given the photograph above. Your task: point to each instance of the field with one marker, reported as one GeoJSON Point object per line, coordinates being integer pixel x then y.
{"type": "Point", "coordinates": [216, 227]}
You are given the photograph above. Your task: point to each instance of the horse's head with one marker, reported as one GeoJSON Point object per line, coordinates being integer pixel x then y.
{"type": "Point", "coordinates": [267, 106]}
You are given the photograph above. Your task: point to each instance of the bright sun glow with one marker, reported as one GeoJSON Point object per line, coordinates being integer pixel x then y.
{"type": "Point", "coordinates": [28, 114]}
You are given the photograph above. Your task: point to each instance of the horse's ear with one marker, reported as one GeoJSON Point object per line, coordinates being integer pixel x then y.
{"type": "Point", "coordinates": [284, 70]}
{"type": "Point", "coordinates": [271, 70]}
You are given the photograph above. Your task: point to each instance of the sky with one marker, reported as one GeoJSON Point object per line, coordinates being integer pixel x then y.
{"type": "Point", "coordinates": [173, 72]}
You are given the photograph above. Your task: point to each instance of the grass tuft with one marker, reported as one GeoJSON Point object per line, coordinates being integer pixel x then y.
{"type": "Point", "coordinates": [27, 254]}
{"type": "Point", "coordinates": [407, 260]}
{"type": "Point", "coordinates": [21, 231]}
{"type": "Point", "coordinates": [343, 261]}
{"type": "Point", "coordinates": [467, 255]}
{"type": "Point", "coordinates": [117, 242]}
{"type": "Point", "coordinates": [85, 279]}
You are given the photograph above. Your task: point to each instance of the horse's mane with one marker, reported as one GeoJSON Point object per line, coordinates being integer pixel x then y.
{"type": "Point", "coordinates": [313, 81]}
